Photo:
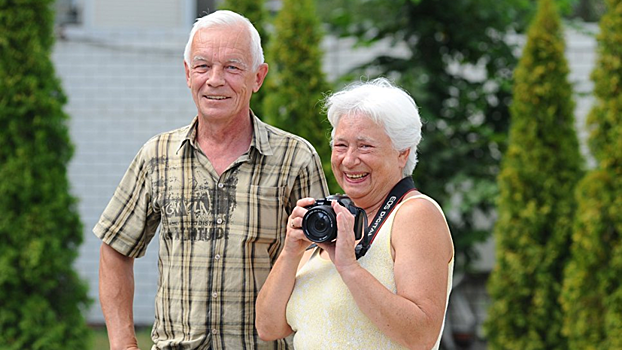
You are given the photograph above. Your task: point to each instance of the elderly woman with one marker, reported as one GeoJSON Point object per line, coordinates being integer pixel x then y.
{"type": "Point", "coordinates": [390, 292]}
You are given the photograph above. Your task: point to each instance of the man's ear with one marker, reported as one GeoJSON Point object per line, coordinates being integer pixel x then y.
{"type": "Point", "coordinates": [260, 76]}
{"type": "Point", "coordinates": [187, 69]}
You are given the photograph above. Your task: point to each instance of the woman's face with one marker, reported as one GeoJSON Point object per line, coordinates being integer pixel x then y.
{"type": "Point", "coordinates": [364, 161]}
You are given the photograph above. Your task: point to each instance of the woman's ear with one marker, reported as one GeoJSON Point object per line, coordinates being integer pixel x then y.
{"type": "Point", "coordinates": [403, 157]}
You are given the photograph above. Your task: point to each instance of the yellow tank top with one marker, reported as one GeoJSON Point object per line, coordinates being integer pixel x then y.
{"type": "Point", "coordinates": [321, 310]}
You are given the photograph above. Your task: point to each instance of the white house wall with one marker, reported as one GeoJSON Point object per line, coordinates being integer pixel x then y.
{"type": "Point", "coordinates": [120, 95]}
{"type": "Point", "coordinates": [137, 14]}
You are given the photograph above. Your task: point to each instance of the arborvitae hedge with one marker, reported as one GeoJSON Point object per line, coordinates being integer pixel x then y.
{"type": "Point", "coordinates": [592, 291]}
{"type": "Point", "coordinates": [536, 204]}
{"type": "Point", "coordinates": [256, 12]}
{"type": "Point", "coordinates": [298, 83]}
{"type": "Point", "coordinates": [41, 296]}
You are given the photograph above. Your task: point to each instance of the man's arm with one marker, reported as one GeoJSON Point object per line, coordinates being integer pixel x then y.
{"type": "Point", "coordinates": [116, 296]}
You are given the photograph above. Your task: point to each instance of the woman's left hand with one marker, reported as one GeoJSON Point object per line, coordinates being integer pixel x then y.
{"type": "Point", "coordinates": [341, 251]}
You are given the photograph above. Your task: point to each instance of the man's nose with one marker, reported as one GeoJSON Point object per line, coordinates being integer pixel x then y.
{"type": "Point", "coordinates": [216, 77]}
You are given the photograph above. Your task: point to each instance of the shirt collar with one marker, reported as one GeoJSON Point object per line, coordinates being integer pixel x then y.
{"type": "Point", "coordinates": [191, 135]}
{"type": "Point", "coordinates": [260, 140]}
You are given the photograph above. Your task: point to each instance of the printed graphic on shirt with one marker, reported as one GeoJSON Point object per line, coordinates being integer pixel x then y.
{"type": "Point", "coordinates": [200, 213]}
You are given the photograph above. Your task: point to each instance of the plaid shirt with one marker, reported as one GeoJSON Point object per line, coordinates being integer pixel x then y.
{"type": "Point", "coordinates": [219, 235]}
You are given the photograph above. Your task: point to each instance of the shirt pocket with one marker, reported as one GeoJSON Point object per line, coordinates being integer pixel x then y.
{"type": "Point", "coordinates": [261, 214]}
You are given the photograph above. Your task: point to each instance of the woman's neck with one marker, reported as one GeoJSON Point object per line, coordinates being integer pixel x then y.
{"type": "Point", "coordinates": [372, 210]}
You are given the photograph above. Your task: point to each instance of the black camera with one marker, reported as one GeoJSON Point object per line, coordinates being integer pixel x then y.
{"type": "Point", "coordinates": [320, 222]}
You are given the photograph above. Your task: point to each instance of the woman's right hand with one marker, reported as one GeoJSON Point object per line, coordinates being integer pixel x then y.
{"type": "Point", "coordinates": [296, 242]}
{"type": "Point", "coordinates": [270, 317]}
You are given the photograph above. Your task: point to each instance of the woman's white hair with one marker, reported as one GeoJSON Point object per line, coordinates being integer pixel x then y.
{"type": "Point", "coordinates": [388, 106]}
{"type": "Point", "coordinates": [227, 18]}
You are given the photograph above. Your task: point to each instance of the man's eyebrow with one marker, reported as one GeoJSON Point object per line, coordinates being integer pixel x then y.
{"type": "Point", "coordinates": [199, 58]}
{"type": "Point", "coordinates": [230, 61]}
{"type": "Point", "coordinates": [238, 61]}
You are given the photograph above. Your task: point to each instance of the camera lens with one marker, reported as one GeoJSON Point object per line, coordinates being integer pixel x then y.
{"type": "Point", "coordinates": [320, 222]}
{"type": "Point", "coordinates": [319, 225]}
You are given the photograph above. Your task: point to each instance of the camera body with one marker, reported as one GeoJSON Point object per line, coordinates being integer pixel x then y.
{"type": "Point", "coordinates": [320, 222]}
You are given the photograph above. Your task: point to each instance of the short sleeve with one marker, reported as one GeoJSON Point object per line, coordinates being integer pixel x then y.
{"type": "Point", "coordinates": [129, 221]}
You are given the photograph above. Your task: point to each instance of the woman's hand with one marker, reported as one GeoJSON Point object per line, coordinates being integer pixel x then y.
{"type": "Point", "coordinates": [296, 241]}
{"type": "Point", "coordinates": [271, 304]}
{"type": "Point", "coordinates": [341, 252]}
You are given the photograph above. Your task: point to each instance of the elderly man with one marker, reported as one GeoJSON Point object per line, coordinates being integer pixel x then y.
{"type": "Point", "coordinates": [220, 190]}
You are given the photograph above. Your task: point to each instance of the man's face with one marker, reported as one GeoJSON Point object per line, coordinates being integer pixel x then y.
{"type": "Point", "coordinates": [220, 74]}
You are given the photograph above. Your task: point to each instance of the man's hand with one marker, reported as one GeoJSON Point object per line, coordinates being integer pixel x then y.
{"type": "Point", "coordinates": [116, 296]}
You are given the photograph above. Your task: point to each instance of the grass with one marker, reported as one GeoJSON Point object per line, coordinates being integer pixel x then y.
{"type": "Point", "coordinates": [100, 338]}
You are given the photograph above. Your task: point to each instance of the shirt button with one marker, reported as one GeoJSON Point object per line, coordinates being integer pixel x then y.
{"type": "Point", "coordinates": [217, 256]}
{"type": "Point", "coordinates": [220, 185]}
{"type": "Point", "coordinates": [214, 295]}
{"type": "Point", "coordinates": [219, 221]}
{"type": "Point", "coordinates": [214, 331]}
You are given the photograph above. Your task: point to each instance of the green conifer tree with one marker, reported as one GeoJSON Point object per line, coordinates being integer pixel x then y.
{"type": "Point", "coordinates": [466, 119]}
{"type": "Point", "coordinates": [592, 290]}
{"type": "Point", "coordinates": [538, 175]}
{"type": "Point", "coordinates": [298, 83]}
{"type": "Point", "coordinates": [41, 296]}
{"type": "Point", "coordinates": [256, 12]}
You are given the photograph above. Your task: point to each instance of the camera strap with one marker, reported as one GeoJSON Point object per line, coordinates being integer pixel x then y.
{"type": "Point", "coordinates": [395, 196]}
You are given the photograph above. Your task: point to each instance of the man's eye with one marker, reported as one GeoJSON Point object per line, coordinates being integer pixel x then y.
{"type": "Point", "coordinates": [233, 68]}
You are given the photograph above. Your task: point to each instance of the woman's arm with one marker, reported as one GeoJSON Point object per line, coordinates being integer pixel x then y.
{"type": "Point", "coordinates": [414, 315]}
{"type": "Point", "coordinates": [271, 304]}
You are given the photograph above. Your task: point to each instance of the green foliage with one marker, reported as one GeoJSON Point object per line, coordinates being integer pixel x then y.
{"type": "Point", "coordinates": [255, 11]}
{"type": "Point", "coordinates": [536, 205]}
{"type": "Point", "coordinates": [298, 82]}
{"type": "Point", "coordinates": [466, 117]}
{"type": "Point", "coordinates": [41, 296]}
{"type": "Point", "coordinates": [592, 291]}
{"type": "Point", "coordinates": [589, 10]}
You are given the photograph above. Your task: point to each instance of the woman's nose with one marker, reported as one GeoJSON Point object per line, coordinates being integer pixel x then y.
{"type": "Point", "coordinates": [350, 157]}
